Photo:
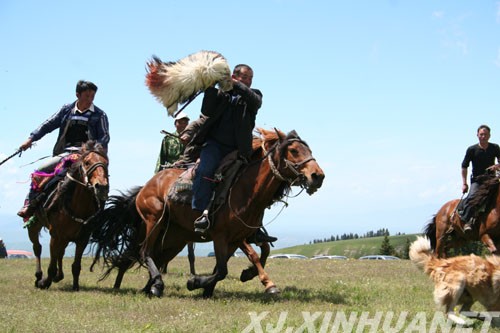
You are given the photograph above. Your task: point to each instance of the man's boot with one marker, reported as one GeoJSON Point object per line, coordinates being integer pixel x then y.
{"type": "Point", "coordinates": [26, 211]}
{"type": "Point", "coordinates": [468, 225]}
{"type": "Point", "coordinates": [202, 223]}
{"type": "Point", "coordinates": [261, 236]}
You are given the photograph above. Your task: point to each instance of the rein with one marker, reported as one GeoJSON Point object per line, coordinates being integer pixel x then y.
{"type": "Point", "coordinates": [294, 167]}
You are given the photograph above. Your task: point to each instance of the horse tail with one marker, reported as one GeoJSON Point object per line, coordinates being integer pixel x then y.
{"type": "Point", "coordinates": [115, 232]}
{"type": "Point", "coordinates": [430, 232]}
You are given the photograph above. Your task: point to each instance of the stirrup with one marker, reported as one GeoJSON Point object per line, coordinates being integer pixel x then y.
{"type": "Point", "coordinates": [202, 224]}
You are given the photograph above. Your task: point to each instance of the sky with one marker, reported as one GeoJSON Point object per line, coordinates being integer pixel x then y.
{"type": "Point", "coordinates": [388, 94]}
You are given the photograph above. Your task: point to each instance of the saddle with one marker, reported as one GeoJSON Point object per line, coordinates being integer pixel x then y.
{"type": "Point", "coordinates": [44, 185]}
{"type": "Point", "coordinates": [182, 190]}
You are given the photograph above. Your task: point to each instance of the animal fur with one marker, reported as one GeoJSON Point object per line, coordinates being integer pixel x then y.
{"type": "Point", "coordinates": [174, 83]}
{"type": "Point", "coordinates": [460, 280]}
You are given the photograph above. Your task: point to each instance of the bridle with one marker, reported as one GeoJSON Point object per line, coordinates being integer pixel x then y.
{"type": "Point", "coordinates": [293, 167]}
{"type": "Point", "coordinates": [86, 174]}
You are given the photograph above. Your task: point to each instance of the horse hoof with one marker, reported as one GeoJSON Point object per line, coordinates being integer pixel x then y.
{"type": "Point", "coordinates": [191, 283]}
{"type": "Point", "coordinates": [273, 290]}
{"type": "Point", "coordinates": [208, 293]}
{"type": "Point", "coordinates": [42, 285]}
{"type": "Point", "coordinates": [155, 292]}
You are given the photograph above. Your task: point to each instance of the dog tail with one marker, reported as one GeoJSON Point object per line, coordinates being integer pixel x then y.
{"type": "Point", "coordinates": [421, 252]}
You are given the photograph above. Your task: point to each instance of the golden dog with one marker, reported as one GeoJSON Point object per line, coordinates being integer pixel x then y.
{"type": "Point", "coordinates": [460, 280]}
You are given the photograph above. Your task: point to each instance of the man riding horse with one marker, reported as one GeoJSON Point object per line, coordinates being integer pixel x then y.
{"type": "Point", "coordinates": [482, 156]}
{"type": "Point", "coordinates": [225, 125]}
{"type": "Point", "coordinates": [77, 122]}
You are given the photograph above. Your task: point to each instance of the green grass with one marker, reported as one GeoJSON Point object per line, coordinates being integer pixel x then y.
{"type": "Point", "coordinates": [351, 248]}
{"type": "Point", "coordinates": [320, 288]}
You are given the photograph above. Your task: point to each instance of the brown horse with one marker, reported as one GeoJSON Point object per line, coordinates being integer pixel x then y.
{"type": "Point", "coordinates": [445, 230]}
{"type": "Point", "coordinates": [147, 227]}
{"type": "Point", "coordinates": [68, 212]}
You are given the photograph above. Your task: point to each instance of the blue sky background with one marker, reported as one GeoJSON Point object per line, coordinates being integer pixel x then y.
{"type": "Point", "coordinates": [388, 94]}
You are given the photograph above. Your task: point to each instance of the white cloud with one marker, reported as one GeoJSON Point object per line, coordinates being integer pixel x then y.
{"type": "Point", "coordinates": [438, 14]}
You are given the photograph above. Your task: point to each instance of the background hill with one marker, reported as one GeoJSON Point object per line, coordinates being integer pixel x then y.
{"type": "Point", "coordinates": [351, 248]}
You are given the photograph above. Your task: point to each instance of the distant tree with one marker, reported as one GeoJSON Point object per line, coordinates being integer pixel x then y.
{"type": "Point", "coordinates": [3, 250]}
{"type": "Point", "coordinates": [406, 250]}
{"type": "Point", "coordinates": [386, 248]}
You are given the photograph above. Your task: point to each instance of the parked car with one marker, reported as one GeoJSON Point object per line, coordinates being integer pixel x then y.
{"type": "Point", "coordinates": [235, 254]}
{"type": "Point", "coordinates": [288, 256]}
{"type": "Point", "coordinates": [19, 254]}
{"type": "Point", "coordinates": [378, 257]}
{"type": "Point", "coordinates": [329, 257]}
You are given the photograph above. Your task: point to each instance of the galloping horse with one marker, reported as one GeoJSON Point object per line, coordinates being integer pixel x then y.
{"type": "Point", "coordinates": [145, 226]}
{"type": "Point", "coordinates": [77, 198]}
{"type": "Point", "coordinates": [445, 230]}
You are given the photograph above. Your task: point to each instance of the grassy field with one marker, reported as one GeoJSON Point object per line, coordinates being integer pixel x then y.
{"type": "Point", "coordinates": [316, 296]}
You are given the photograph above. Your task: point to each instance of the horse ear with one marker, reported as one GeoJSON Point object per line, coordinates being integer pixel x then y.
{"type": "Point", "coordinates": [293, 134]}
{"type": "Point", "coordinates": [278, 135]}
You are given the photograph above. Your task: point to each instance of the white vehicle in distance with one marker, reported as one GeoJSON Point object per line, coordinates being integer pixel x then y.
{"type": "Point", "coordinates": [378, 257]}
{"type": "Point", "coordinates": [288, 256]}
{"type": "Point", "coordinates": [329, 257]}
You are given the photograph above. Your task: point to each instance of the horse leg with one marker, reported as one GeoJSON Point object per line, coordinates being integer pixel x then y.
{"type": "Point", "coordinates": [57, 248]}
{"type": "Point", "coordinates": [34, 233]}
{"type": "Point", "coordinates": [155, 284]}
{"type": "Point", "coordinates": [191, 258]}
{"type": "Point", "coordinates": [209, 282]}
{"type": "Point", "coordinates": [252, 271]}
{"type": "Point", "coordinates": [122, 269]}
{"type": "Point", "coordinates": [60, 272]}
{"type": "Point", "coordinates": [440, 251]}
{"type": "Point", "coordinates": [76, 267]}
{"type": "Point", "coordinates": [486, 239]}
{"type": "Point", "coordinates": [258, 267]}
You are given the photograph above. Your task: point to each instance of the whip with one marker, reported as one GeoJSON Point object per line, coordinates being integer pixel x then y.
{"type": "Point", "coordinates": [19, 151]}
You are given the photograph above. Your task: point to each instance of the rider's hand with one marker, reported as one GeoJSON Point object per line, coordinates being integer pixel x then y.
{"type": "Point", "coordinates": [465, 188]}
{"type": "Point", "coordinates": [26, 144]}
{"type": "Point", "coordinates": [494, 167]}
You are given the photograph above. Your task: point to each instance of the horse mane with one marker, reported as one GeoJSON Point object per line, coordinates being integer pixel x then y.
{"type": "Point", "coordinates": [487, 192]}
{"type": "Point", "coordinates": [269, 138]}
{"type": "Point", "coordinates": [88, 147]}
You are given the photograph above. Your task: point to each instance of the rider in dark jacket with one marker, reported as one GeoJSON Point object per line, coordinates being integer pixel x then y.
{"type": "Point", "coordinates": [77, 122]}
{"type": "Point", "coordinates": [226, 124]}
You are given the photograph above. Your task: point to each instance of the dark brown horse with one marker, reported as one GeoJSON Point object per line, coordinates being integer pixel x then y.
{"type": "Point", "coordinates": [149, 228]}
{"type": "Point", "coordinates": [445, 230]}
{"type": "Point", "coordinates": [68, 212]}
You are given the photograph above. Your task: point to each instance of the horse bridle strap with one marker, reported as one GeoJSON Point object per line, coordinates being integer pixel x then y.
{"type": "Point", "coordinates": [87, 173]}
{"type": "Point", "coordinates": [294, 167]}
{"type": "Point", "coordinates": [275, 170]}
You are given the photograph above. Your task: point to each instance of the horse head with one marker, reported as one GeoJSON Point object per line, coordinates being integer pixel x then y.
{"type": "Point", "coordinates": [93, 167]}
{"type": "Point", "coordinates": [292, 160]}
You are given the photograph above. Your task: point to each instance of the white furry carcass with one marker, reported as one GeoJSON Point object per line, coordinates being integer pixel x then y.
{"type": "Point", "coordinates": [174, 83]}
